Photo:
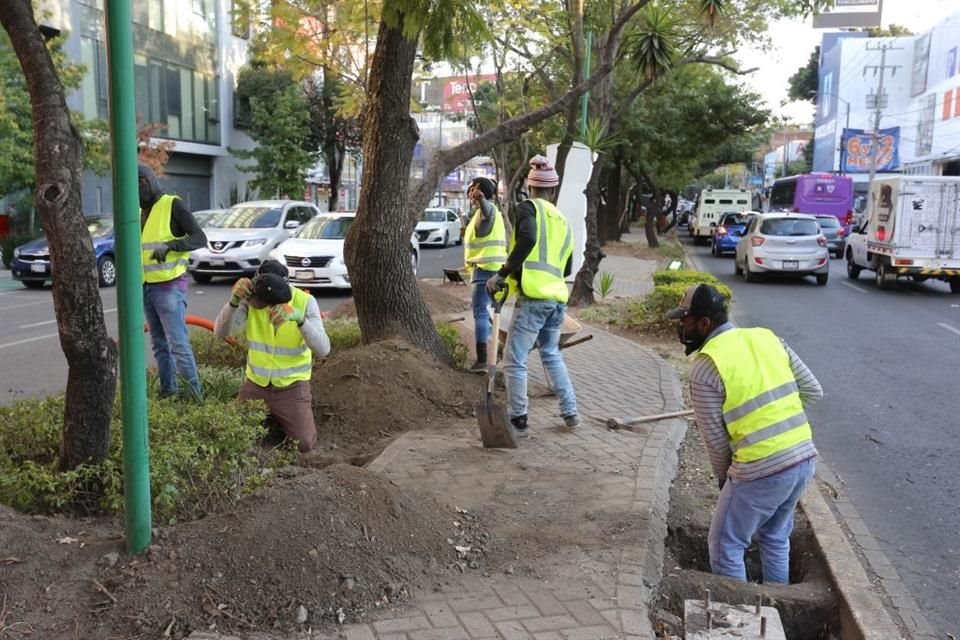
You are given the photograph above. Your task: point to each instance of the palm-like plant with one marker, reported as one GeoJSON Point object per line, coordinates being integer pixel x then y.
{"type": "Point", "coordinates": [653, 44]}
{"type": "Point", "coordinates": [712, 9]}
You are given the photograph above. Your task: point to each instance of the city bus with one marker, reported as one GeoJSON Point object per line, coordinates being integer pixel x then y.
{"type": "Point", "coordinates": [815, 194]}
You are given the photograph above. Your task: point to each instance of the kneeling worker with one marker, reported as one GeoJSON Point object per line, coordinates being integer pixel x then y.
{"type": "Point", "coordinates": [283, 329]}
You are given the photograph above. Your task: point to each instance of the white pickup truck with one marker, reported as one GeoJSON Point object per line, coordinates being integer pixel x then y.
{"type": "Point", "coordinates": [911, 228]}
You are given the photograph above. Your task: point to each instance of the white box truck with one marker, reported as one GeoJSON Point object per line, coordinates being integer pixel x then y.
{"type": "Point", "coordinates": [711, 206]}
{"type": "Point", "coordinates": [911, 228]}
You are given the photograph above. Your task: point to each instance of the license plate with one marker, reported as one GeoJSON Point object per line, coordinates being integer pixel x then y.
{"type": "Point", "coordinates": [217, 262]}
{"type": "Point", "coordinates": [791, 264]}
{"type": "Point", "coordinates": [38, 268]}
{"type": "Point", "coordinates": [303, 274]}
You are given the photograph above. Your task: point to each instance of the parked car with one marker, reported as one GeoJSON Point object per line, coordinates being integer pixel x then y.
{"type": "Point", "coordinates": [726, 235]}
{"type": "Point", "coordinates": [440, 226]}
{"type": "Point", "coordinates": [31, 262]}
{"type": "Point", "coordinates": [242, 237]}
{"type": "Point", "coordinates": [203, 216]}
{"type": "Point", "coordinates": [785, 244]}
{"type": "Point", "coordinates": [315, 256]}
{"type": "Point", "coordinates": [835, 234]}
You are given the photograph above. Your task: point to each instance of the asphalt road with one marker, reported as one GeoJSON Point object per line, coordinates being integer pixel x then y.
{"type": "Point", "coordinates": [32, 364]}
{"type": "Point", "coordinates": [888, 423]}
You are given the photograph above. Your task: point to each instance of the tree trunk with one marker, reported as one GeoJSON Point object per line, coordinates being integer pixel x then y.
{"type": "Point", "coordinates": [333, 158]}
{"type": "Point", "coordinates": [615, 201]}
{"type": "Point", "coordinates": [377, 247]}
{"type": "Point", "coordinates": [90, 352]}
{"type": "Point", "coordinates": [582, 293]}
{"type": "Point", "coordinates": [671, 213]}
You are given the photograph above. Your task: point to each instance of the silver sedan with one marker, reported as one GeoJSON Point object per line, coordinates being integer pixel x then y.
{"type": "Point", "coordinates": [783, 244]}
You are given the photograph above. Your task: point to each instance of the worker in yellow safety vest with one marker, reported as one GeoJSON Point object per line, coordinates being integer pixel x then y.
{"type": "Point", "coordinates": [168, 233]}
{"type": "Point", "coordinates": [284, 330]}
{"type": "Point", "coordinates": [485, 251]}
{"type": "Point", "coordinates": [540, 258]}
{"type": "Point", "coordinates": [749, 392]}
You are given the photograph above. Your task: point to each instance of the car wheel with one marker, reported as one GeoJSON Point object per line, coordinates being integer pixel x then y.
{"type": "Point", "coordinates": [33, 284]}
{"type": "Point", "coordinates": [748, 276]}
{"type": "Point", "coordinates": [737, 270]}
{"type": "Point", "coordinates": [446, 239]}
{"type": "Point", "coordinates": [853, 270]}
{"type": "Point", "coordinates": [822, 279]}
{"type": "Point", "coordinates": [106, 271]}
{"type": "Point", "coordinates": [955, 285]}
{"type": "Point", "coordinates": [201, 278]}
{"type": "Point", "coordinates": [713, 250]}
{"type": "Point", "coordinates": [883, 276]}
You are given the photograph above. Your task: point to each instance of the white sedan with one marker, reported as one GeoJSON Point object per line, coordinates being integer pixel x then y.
{"type": "Point", "coordinates": [440, 227]}
{"type": "Point", "coordinates": [315, 255]}
{"type": "Point", "coordinates": [784, 244]}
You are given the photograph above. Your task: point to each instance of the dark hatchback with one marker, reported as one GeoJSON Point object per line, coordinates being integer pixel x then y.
{"type": "Point", "coordinates": [835, 234]}
{"type": "Point", "coordinates": [31, 262]}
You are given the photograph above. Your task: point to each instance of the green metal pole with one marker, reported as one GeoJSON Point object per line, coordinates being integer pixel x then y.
{"type": "Point", "coordinates": [585, 98]}
{"type": "Point", "coordinates": [126, 221]}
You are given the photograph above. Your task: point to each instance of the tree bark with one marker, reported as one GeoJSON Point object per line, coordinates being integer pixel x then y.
{"type": "Point", "coordinates": [377, 246]}
{"type": "Point", "coordinates": [615, 201]}
{"type": "Point", "coordinates": [582, 293]}
{"type": "Point", "coordinates": [90, 352]}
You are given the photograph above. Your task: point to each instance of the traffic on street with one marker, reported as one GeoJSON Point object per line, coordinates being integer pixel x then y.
{"type": "Point", "coordinates": [887, 424]}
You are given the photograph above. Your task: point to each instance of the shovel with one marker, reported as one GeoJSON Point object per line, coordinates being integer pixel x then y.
{"type": "Point", "coordinates": [495, 430]}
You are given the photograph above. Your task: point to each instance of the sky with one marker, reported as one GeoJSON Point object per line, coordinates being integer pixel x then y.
{"type": "Point", "coordinates": [794, 40]}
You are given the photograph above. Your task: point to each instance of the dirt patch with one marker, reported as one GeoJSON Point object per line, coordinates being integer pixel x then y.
{"type": "Point", "coordinates": [366, 396]}
{"type": "Point", "coordinates": [314, 549]}
{"type": "Point", "coordinates": [440, 299]}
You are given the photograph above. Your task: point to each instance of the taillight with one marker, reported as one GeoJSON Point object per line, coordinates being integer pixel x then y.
{"type": "Point", "coordinates": [881, 234]}
{"type": "Point", "coordinates": [849, 219]}
{"type": "Point", "coordinates": [796, 209]}
{"type": "Point", "coordinates": [757, 240]}
{"type": "Point", "coordinates": [721, 230]}
{"type": "Point", "coordinates": [841, 232]}
{"type": "Point", "coordinates": [821, 241]}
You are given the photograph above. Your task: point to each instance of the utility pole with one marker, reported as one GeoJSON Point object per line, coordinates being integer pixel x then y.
{"type": "Point", "coordinates": [878, 102]}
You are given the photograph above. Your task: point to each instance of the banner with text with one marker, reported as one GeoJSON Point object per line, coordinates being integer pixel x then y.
{"type": "Point", "coordinates": [858, 150]}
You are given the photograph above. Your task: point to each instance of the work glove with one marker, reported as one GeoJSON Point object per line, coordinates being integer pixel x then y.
{"type": "Point", "coordinates": [241, 291]}
{"type": "Point", "coordinates": [281, 313]}
{"type": "Point", "coordinates": [160, 255]}
{"type": "Point", "coordinates": [494, 284]}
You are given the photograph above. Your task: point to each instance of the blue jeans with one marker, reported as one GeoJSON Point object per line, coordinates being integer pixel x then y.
{"type": "Point", "coordinates": [536, 322]}
{"type": "Point", "coordinates": [762, 508]}
{"type": "Point", "coordinates": [481, 304]}
{"type": "Point", "coordinates": [165, 308]}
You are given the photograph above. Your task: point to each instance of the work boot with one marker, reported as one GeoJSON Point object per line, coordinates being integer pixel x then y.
{"type": "Point", "coordinates": [573, 420]}
{"type": "Point", "coordinates": [520, 426]}
{"type": "Point", "coordinates": [480, 366]}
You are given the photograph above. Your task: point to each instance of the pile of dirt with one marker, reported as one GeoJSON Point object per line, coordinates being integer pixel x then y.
{"type": "Point", "coordinates": [365, 396]}
{"type": "Point", "coordinates": [440, 299]}
{"type": "Point", "coordinates": [315, 548]}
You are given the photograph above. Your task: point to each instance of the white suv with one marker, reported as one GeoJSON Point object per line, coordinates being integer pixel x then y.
{"type": "Point", "coordinates": [242, 237]}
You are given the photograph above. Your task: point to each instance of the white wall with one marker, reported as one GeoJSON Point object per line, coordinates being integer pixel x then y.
{"type": "Point", "coordinates": [572, 202]}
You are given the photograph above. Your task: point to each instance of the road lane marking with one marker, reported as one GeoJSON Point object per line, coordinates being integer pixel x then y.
{"type": "Point", "coordinates": [26, 340]}
{"type": "Point", "coordinates": [45, 322]}
{"type": "Point", "coordinates": [26, 304]}
{"type": "Point", "coordinates": [949, 328]}
{"type": "Point", "coordinates": [853, 286]}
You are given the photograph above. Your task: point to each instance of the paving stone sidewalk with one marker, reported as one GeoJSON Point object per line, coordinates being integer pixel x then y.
{"type": "Point", "coordinates": [594, 590]}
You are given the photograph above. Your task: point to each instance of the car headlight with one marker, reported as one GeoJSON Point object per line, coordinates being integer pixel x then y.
{"type": "Point", "coordinates": [16, 253]}
{"type": "Point", "coordinates": [258, 242]}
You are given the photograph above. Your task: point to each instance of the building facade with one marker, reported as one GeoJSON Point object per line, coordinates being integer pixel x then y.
{"type": "Point", "coordinates": [187, 54]}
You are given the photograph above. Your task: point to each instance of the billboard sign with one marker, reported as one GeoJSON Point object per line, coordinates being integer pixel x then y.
{"type": "Point", "coordinates": [858, 150]}
{"type": "Point", "coordinates": [850, 13]}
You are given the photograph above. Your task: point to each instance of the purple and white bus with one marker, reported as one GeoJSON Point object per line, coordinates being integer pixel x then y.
{"type": "Point", "coordinates": [815, 194]}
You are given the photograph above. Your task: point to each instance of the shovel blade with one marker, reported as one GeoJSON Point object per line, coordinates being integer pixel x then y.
{"type": "Point", "coordinates": [495, 430]}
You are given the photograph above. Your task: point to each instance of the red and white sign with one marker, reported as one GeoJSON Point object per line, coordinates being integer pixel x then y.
{"type": "Point", "coordinates": [457, 91]}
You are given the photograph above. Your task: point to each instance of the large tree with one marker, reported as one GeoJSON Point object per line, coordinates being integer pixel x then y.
{"type": "Point", "coordinates": [90, 352]}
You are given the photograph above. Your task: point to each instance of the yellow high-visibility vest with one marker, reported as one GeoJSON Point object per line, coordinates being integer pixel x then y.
{"type": "Point", "coordinates": [277, 356]}
{"type": "Point", "coordinates": [543, 268]}
{"type": "Point", "coordinates": [762, 410]}
{"type": "Point", "coordinates": [487, 252]}
{"type": "Point", "coordinates": [155, 235]}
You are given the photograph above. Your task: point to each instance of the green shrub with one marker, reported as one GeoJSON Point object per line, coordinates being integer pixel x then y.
{"type": "Point", "coordinates": [214, 351]}
{"type": "Point", "coordinates": [344, 333]}
{"type": "Point", "coordinates": [664, 298]}
{"type": "Point", "coordinates": [684, 276]}
{"type": "Point", "coordinates": [451, 340]}
{"type": "Point", "coordinates": [202, 456]}
{"type": "Point", "coordinates": [606, 284]}
{"type": "Point", "coordinates": [11, 242]}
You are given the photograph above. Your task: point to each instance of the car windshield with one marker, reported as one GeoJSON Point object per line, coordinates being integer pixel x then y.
{"type": "Point", "coordinates": [99, 227]}
{"type": "Point", "coordinates": [246, 217]}
{"type": "Point", "coordinates": [734, 218]}
{"type": "Point", "coordinates": [434, 216]}
{"type": "Point", "coordinates": [326, 228]}
{"type": "Point", "coordinates": [789, 227]}
{"type": "Point", "coordinates": [828, 222]}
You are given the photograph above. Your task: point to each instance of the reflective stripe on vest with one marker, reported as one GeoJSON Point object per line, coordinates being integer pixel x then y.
{"type": "Point", "coordinates": [542, 276]}
{"type": "Point", "coordinates": [762, 409]}
{"type": "Point", "coordinates": [487, 252]}
{"type": "Point", "coordinates": [155, 235]}
{"type": "Point", "coordinates": [277, 356]}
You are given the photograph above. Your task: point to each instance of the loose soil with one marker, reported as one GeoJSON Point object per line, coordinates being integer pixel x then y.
{"type": "Point", "coordinates": [315, 548]}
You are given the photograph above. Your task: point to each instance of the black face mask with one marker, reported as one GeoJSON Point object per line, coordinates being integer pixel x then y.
{"type": "Point", "coordinates": [692, 340]}
{"type": "Point", "coordinates": [146, 196]}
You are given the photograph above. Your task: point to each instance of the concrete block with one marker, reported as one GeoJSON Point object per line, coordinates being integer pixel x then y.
{"type": "Point", "coordinates": [729, 621]}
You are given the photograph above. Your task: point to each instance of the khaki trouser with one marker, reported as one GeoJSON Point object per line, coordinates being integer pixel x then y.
{"type": "Point", "coordinates": [291, 407]}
